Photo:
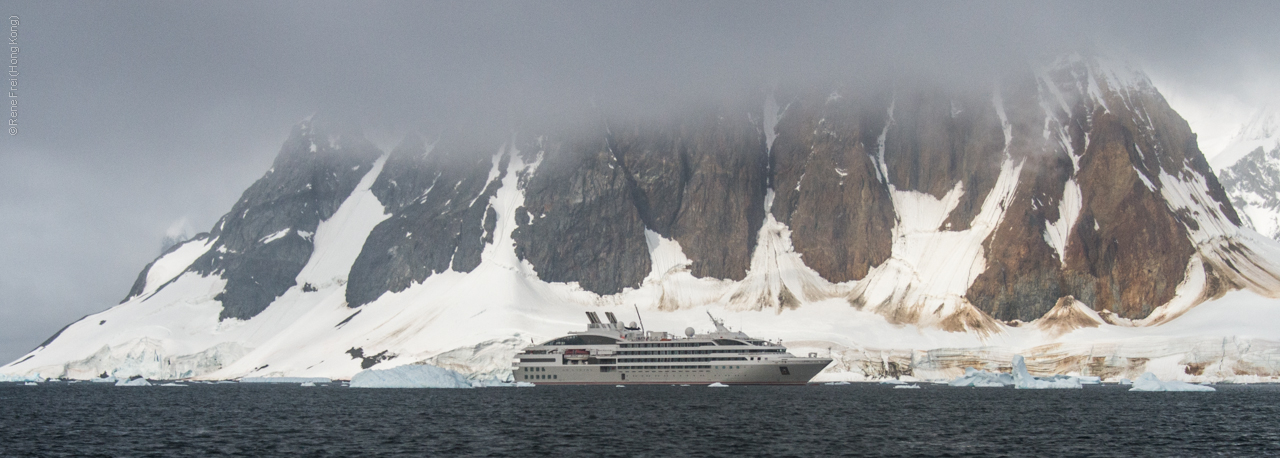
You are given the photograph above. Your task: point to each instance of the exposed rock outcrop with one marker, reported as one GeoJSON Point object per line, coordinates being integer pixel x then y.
{"type": "Point", "coordinates": [266, 239]}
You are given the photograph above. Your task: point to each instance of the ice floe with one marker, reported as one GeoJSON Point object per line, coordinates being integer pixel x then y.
{"type": "Point", "coordinates": [134, 382]}
{"type": "Point", "coordinates": [312, 380]}
{"type": "Point", "coordinates": [410, 376]}
{"type": "Point", "coordinates": [1024, 381]}
{"type": "Point", "coordinates": [982, 379]}
{"type": "Point", "coordinates": [1149, 382]}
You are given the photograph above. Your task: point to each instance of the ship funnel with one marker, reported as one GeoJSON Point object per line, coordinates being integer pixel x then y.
{"type": "Point", "coordinates": [612, 319]}
{"type": "Point", "coordinates": [595, 319]}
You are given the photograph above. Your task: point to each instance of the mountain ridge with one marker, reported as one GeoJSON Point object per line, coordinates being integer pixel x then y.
{"type": "Point", "coordinates": [950, 216]}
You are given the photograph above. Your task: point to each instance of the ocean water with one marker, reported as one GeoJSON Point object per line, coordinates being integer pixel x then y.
{"type": "Point", "coordinates": [84, 419]}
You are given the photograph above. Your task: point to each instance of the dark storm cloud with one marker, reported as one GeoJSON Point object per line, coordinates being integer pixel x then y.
{"type": "Point", "coordinates": [135, 115]}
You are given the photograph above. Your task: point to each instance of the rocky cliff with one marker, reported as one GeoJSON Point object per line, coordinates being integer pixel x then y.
{"type": "Point", "coordinates": [1249, 168]}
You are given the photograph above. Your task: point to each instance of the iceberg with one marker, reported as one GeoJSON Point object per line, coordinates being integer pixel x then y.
{"type": "Point", "coordinates": [982, 379]}
{"type": "Point", "coordinates": [1023, 380]}
{"type": "Point", "coordinates": [409, 376]}
{"type": "Point", "coordinates": [1149, 382]}
{"type": "Point", "coordinates": [134, 382]}
{"type": "Point", "coordinates": [285, 380]}
{"type": "Point", "coordinates": [20, 378]}
{"type": "Point", "coordinates": [107, 379]}
{"type": "Point", "coordinates": [716, 385]}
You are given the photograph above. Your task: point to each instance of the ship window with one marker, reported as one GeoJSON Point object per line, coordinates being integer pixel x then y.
{"type": "Point", "coordinates": [728, 342]}
{"type": "Point", "coordinates": [583, 340]}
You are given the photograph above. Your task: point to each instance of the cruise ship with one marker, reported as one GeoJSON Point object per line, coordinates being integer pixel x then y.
{"type": "Point", "coordinates": [614, 354]}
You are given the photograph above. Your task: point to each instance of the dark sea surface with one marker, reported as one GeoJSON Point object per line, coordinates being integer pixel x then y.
{"type": "Point", "coordinates": [86, 419]}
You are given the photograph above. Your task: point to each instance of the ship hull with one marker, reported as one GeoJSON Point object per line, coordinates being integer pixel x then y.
{"type": "Point", "coordinates": [793, 371]}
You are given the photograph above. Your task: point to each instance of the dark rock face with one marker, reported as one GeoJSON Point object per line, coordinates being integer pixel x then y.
{"type": "Point", "coordinates": [265, 241]}
{"type": "Point", "coordinates": [579, 222]}
{"type": "Point", "coordinates": [700, 180]}
{"type": "Point", "coordinates": [828, 184]}
{"type": "Point", "coordinates": [439, 203]}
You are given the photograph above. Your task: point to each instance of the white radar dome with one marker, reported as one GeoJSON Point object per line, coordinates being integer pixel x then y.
{"type": "Point", "coordinates": [688, 332]}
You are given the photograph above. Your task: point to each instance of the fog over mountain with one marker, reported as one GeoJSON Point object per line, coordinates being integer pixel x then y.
{"type": "Point", "coordinates": [140, 118]}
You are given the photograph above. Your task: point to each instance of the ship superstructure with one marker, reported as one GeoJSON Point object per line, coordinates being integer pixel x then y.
{"type": "Point", "coordinates": [613, 353]}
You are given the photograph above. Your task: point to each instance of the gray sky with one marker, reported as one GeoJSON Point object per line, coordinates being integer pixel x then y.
{"type": "Point", "coordinates": [135, 117]}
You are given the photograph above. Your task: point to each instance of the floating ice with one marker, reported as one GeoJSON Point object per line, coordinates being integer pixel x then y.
{"type": "Point", "coordinates": [1023, 380]}
{"type": "Point", "coordinates": [30, 384]}
{"type": "Point", "coordinates": [906, 387]}
{"type": "Point", "coordinates": [717, 385]}
{"type": "Point", "coordinates": [892, 382]}
{"type": "Point", "coordinates": [982, 379]}
{"type": "Point", "coordinates": [524, 385]}
{"type": "Point", "coordinates": [20, 378]}
{"type": "Point", "coordinates": [107, 379]}
{"type": "Point", "coordinates": [410, 376]}
{"type": "Point", "coordinates": [308, 384]}
{"type": "Point", "coordinates": [171, 384]}
{"type": "Point", "coordinates": [1149, 382]}
{"type": "Point", "coordinates": [134, 382]}
{"type": "Point", "coordinates": [836, 383]}
{"type": "Point", "coordinates": [284, 380]}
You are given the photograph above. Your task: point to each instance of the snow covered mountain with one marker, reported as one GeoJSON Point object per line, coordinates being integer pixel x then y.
{"type": "Point", "coordinates": [1066, 214]}
{"type": "Point", "coordinates": [1249, 169]}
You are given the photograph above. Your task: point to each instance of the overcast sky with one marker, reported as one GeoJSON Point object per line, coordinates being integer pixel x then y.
{"type": "Point", "coordinates": [135, 117]}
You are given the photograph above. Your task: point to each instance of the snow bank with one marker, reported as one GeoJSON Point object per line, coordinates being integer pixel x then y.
{"type": "Point", "coordinates": [1023, 380]}
{"type": "Point", "coordinates": [134, 382]}
{"type": "Point", "coordinates": [1149, 382]}
{"type": "Point", "coordinates": [285, 380]}
{"type": "Point", "coordinates": [411, 376]}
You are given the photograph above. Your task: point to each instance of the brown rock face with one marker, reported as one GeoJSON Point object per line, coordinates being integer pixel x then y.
{"type": "Point", "coordinates": [1128, 250]}
{"type": "Point", "coordinates": [828, 186]}
{"type": "Point", "coordinates": [937, 139]}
